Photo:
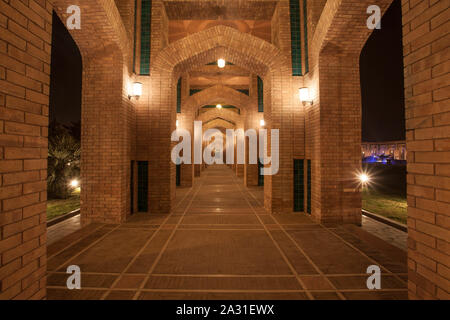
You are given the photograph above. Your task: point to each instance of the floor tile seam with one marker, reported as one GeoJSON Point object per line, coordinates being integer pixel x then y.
{"type": "Point", "coordinates": [167, 242]}
{"type": "Point", "coordinates": [163, 223]}
{"type": "Point", "coordinates": [286, 260]}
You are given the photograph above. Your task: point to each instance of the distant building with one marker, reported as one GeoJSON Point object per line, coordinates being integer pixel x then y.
{"type": "Point", "coordinates": [394, 149]}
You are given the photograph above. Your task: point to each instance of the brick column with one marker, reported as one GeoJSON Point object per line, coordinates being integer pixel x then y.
{"type": "Point", "coordinates": [252, 118]}
{"type": "Point", "coordinates": [426, 54]}
{"type": "Point", "coordinates": [187, 122]}
{"type": "Point", "coordinates": [105, 141]}
{"type": "Point", "coordinates": [25, 40]}
{"type": "Point", "coordinates": [340, 139]}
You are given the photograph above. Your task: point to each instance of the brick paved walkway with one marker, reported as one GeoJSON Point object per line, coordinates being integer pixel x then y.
{"type": "Point", "coordinates": [219, 243]}
{"type": "Point", "coordinates": [390, 234]}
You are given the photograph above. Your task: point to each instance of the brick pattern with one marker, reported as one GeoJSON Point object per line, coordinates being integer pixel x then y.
{"type": "Point", "coordinates": [107, 113]}
{"type": "Point", "coordinates": [334, 133]}
{"type": "Point", "coordinates": [426, 62]}
{"type": "Point", "coordinates": [112, 123]}
{"type": "Point", "coordinates": [260, 57]}
{"type": "Point", "coordinates": [25, 46]}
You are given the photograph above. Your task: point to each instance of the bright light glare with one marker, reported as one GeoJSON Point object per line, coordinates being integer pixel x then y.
{"type": "Point", "coordinates": [74, 183]}
{"type": "Point", "coordinates": [221, 63]}
{"type": "Point", "coordinates": [304, 95]}
{"type": "Point", "coordinates": [137, 89]}
{"type": "Point", "coordinates": [364, 178]}
{"type": "Point", "coordinates": [178, 123]}
{"type": "Point", "coordinates": [262, 123]}
{"type": "Point", "coordinates": [219, 106]}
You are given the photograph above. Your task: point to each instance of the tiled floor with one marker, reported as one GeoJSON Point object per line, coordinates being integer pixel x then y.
{"type": "Point", "coordinates": [219, 243]}
{"type": "Point", "coordinates": [390, 234]}
{"type": "Point", "coordinates": [62, 229]}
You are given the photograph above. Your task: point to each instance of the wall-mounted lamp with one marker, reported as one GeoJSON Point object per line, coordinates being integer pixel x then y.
{"type": "Point", "coordinates": [262, 123]}
{"type": "Point", "coordinates": [221, 63]}
{"type": "Point", "coordinates": [136, 90]}
{"type": "Point", "coordinates": [219, 106]}
{"type": "Point", "coordinates": [177, 123]}
{"type": "Point", "coordinates": [305, 96]}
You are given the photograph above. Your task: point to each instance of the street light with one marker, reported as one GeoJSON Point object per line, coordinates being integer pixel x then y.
{"type": "Point", "coordinates": [74, 183]}
{"type": "Point", "coordinates": [364, 178]}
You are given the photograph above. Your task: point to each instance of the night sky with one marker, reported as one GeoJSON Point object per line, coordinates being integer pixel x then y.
{"type": "Point", "coordinates": [65, 79]}
{"type": "Point", "coordinates": [381, 67]}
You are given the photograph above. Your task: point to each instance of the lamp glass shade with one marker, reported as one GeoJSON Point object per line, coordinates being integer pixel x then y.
{"type": "Point", "coordinates": [137, 89]}
{"type": "Point", "coordinates": [219, 106]}
{"type": "Point", "coordinates": [304, 95]}
{"type": "Point", "coordinates": [221, 63]}
{"type": "Point", "coordinates": [177, 123]}
{"type": "Point", "coordinates": [262, 122]}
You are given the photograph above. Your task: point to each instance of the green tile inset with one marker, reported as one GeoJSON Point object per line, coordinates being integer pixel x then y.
{"type": "Point", "coordinates": [260, 95]}
{"type": "Point", "coordinates": [299, 187]}
{"type": "Point", "coordinates": [179, 96]}
{"type": "Point", "coordinates": [305, 33]}
{"type": "Point", "coordinates": [296, 46]}
{"type": "Point", "coordinates": [146, 22]}
{"type": "Point", "coordinates": [142, 186]}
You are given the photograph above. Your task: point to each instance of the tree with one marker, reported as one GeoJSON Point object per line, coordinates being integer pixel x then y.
{"type": "Point", "coordinates": [64, 152]}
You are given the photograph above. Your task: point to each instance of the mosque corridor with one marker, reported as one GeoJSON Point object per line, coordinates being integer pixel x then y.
{"type": "Point", "coordinates": [219, 243]}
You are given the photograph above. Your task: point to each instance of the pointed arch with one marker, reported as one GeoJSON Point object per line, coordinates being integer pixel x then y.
{"type": "Point", "coordinates": [254, 54]}
{"type": "Point", "coordinates": [223, 113]}
{"type": "Point", "coordinates": [217, 94]}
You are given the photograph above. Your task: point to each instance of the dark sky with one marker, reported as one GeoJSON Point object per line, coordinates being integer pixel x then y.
{"type": "Point", "coordinates": [382, 92]}
{"type": "Point", "coordinates": [65, 79]}
{"type": "Point", "coordinates": [381, 79]}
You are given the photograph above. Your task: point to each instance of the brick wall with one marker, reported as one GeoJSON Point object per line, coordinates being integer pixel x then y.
{"type": "Point", "coordinates": [426, 62]}
{"type": "Point", "coordinates": [25, 46]}
{"type": "Point", "coordinates": [335, 128]}
{"type": "Point", "coordinates": [262, 58]}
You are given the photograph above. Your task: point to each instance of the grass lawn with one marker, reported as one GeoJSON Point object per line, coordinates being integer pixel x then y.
{"type": "Point", "coordinates": [388, 205]}
{"type": "Point", "coordinates": [58, 207]}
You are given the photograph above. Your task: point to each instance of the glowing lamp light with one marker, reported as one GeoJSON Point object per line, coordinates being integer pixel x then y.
{"type": "Point", "coordinates": [364, 178]}
{"type": "Point", "coordinates": [262, 123]}
{"type": "Point", "coordinates": [177, 123]}
{"type": "Point", "coordinates": [136, 90]}
{"type": "Point", "coordinates": [219, 106]}
{"type": "Point", "coordinates": [305, 96]}
{"type": "Point", "coordinates": [221, 63]}
{"type": "Point", "coordinates": [74, 183]}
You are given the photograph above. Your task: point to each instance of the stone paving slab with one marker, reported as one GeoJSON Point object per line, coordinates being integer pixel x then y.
{"type": "Point", "coordinates": [225, 248]}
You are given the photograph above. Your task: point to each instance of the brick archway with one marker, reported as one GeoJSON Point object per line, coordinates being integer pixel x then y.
{"type": "Point", "coordinates": [220, 94]}
{"type": "Point", "coordinates": [335, 50]}
{"type": "Point", "coordinates": [105, 108]}
{"type": "Point", "coordinates": [245, 50]}
{"type": "Point", "coordinates": [218, 123]}
{"type": "Point", "coordinates": [335, 80]}
{"type": "Point", "coordinates": [223, 114]}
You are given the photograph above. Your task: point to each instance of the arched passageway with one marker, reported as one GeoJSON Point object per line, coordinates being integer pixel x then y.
{"type": "Point", "coordinates": [122, 132]}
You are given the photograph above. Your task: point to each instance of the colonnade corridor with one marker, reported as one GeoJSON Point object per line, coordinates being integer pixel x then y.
{"type": "Point", "coordinates": [219, 243]}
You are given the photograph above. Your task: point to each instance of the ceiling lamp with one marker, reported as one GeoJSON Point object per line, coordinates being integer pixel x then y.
{"type": "Point", "coordinates": [221, 63]}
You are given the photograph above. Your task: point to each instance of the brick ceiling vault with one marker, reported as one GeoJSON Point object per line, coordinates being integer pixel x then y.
{"type": "Point", "coordinates": [220, 9]}
{"type": "Point", "coordinates": [219, 114]}
{"type": "Point", "coordinates": [102, 19]}
{"type": "Point", "coordinates": [218, 94]}
{"type": "Point", "coordinates": [244, 50]}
